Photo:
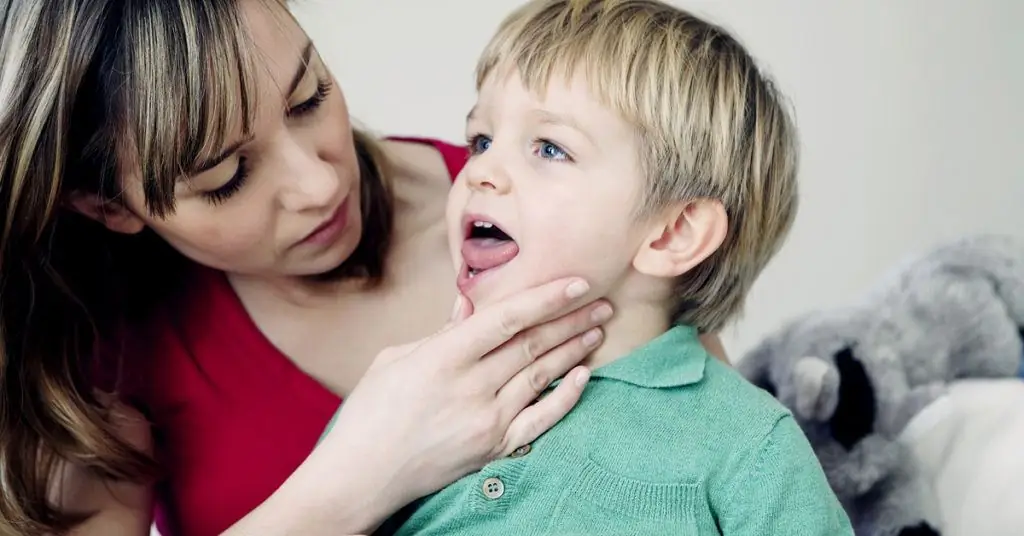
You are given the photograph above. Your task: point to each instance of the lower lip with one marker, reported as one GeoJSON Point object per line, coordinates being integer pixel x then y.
{"type": "Point", "coordinates": [329, 232]}
{"type": "Point", "coordinates": [465, 283]}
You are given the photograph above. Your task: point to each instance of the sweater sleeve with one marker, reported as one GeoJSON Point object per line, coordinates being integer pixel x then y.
{"type": "Point", "coordinates": [781, 489]}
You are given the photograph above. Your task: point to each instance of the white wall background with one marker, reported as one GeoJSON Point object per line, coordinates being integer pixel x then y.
{"type": "Point", "coordinates": [910, 114]}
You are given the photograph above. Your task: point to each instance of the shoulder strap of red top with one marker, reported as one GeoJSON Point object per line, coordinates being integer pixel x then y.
{"type": "Point", "coordinates": [455, 156]}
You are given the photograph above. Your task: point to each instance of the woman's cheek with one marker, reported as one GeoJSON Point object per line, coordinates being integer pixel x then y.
{"type": "Point", "coordinates": [220, 233]}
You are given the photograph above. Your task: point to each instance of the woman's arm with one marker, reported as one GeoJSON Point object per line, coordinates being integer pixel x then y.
{"type": "Point", "coordinates": [424, 415]}
{"type": "Point", "coordinates": [361, 499]}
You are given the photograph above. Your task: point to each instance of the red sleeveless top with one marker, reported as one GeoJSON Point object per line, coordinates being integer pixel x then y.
{"type": "Point", "coordinates": [232, 416]}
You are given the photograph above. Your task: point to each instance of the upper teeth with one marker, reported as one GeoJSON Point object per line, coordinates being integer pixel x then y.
{"type": "Point", "coordinates": [483, 224]}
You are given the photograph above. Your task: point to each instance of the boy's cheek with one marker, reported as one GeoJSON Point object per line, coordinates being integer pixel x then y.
{"type": "Point", "coordinates": [455, 250]}
{"type": "Point", "coordinates": [453, 220]}
{"type": "Point", "coordinates": [600, 258]}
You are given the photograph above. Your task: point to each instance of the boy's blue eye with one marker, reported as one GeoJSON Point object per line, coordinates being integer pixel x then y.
{"type": "Point", "coordinates": [479, 144]}
{"type": "Point", "coordinates": [551, 151]}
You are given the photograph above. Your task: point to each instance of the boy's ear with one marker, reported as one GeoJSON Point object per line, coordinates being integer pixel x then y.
{"type": "Point", "coordinates": [112, 214]}
{"type": "Point", "coordinates": [685, 235]}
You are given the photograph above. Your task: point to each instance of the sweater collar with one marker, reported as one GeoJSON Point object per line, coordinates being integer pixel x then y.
{"type": "Point", "coordinates": [674, 359]}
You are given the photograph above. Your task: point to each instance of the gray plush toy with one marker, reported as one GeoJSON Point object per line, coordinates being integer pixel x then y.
{"type": "Point", "coordinates": [854, 376]}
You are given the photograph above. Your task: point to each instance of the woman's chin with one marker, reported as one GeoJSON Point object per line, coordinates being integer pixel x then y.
{"type": "Point", "coordinates": [330, 263]}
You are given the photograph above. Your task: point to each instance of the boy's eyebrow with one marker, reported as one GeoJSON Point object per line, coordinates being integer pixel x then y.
{"type": "Point", "coordinates": [551, 118]}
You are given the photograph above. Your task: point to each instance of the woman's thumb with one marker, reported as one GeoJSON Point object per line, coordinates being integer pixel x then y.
{"type": "Point", "coordinates": [462, 309]}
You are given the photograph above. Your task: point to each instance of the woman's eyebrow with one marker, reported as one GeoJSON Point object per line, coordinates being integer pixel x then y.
{"type": "Point", "coordinates": [300, 72]}
{"type": "Point", "coordinates": [215, 160]}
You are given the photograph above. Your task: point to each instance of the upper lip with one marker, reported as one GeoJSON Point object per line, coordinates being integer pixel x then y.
{"type": "Point", "coordinates": [470, 219]}
{"type": "Point", "coordinates": [330, 219]}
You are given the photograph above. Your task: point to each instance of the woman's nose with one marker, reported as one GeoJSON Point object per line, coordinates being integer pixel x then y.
{"type": "Point", "coordinates": [310, 183]}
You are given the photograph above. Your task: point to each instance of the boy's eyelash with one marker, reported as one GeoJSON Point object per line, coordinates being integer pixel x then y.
{"type": "Point", "coordinates": [568, 157]}
{"type": "Point", "coordinates": [474, 141]}
{"type": "Point", "coordinates": [231, 187]}
{"type": "Point", "coordinates": [323, 88]}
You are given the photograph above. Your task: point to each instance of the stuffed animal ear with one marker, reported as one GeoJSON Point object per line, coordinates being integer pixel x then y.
{"type": "Point", "coordinates": [754, 367]}
{"type": "Point", "coordinates": [768, 386]}
{"type": "Point", "coordinates": [857, 407]}
{"type": "Point", "coordinates": [817, 389]}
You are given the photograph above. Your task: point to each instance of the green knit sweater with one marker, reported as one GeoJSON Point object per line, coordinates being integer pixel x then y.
{"type": "Point", "coordinates": [665, 441]}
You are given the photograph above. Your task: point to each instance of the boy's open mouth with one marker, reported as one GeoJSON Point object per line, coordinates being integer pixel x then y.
{"type": "Point", "coordinates": [486, 246]}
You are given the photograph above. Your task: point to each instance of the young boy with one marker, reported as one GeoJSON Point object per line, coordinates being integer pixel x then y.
{"type": "Point", "coordinates": [634, 144]}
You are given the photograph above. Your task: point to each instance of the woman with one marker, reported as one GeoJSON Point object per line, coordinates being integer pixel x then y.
{"type": "Point", "coordinates": [200, 259]}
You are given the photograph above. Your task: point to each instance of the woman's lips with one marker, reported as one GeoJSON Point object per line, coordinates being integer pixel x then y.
{"type": "Point", "coordinates": [329, 231]}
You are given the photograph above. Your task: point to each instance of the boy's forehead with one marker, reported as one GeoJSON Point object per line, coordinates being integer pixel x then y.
{"type": "Point", "coordinates": [558, 99]}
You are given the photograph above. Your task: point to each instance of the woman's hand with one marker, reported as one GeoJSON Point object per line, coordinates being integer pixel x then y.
{"type": "Point", "coordinates": [428, 413]}
{"type": "Point", "coordinates": [435, 410]}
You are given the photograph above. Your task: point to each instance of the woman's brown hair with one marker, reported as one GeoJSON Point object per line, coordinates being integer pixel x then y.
{"type": "Point", "coordinates": [88, 88]}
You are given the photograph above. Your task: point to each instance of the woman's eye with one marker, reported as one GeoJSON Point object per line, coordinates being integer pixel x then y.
{"type": "Point", "coordinates": [479, 143]}
{"type": "Point", "coordinates": [551, 151]}
{"type": "Point", "coordinates": [310, 105]}
{"type": "Point", "coordinates": [231, 187]}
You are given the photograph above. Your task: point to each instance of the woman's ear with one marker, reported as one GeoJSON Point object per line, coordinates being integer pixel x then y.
{"type": "Point", "coordinates": [112, 214]}
{"type": "Point", "coordinates": [682, 238]}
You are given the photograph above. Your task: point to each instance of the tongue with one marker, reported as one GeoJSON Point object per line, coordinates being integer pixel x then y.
{"type": "Point", "coordinates": [485, 253]}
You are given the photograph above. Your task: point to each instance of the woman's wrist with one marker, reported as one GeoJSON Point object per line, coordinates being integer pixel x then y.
{"type": "Point", "coordinates": [337, 490]}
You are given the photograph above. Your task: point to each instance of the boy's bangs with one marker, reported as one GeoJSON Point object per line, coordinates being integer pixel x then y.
{"type": "Point", "coordinates": [611, 50]}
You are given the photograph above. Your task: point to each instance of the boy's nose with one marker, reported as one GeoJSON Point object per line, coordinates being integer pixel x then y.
{"type": "Point", "coordinates": [488, 176]}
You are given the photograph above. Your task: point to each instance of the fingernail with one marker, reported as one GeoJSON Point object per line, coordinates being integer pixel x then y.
{"type": "Point", "coordinates": [456, 308]}
{"type": "Point", "coordinates": [583, 378]}
{"type": "Point", "coordinates": [577, 289]}
{"type": "Point", "coordinates": [602, 313]}
{"type": "Point", "coordinates": [592, 337]}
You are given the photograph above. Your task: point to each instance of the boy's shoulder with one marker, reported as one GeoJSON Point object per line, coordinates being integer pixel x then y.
{"type": "Point", "coordinates": [679, 415]}
{"type": "Point", "coordinates": [678, 381]}
{"type": "Point", "coordinates": [725, 388]}
{"type": "Point", "coordinates": [730, 408]}
{"type": "Point", "coordinates": [675, 401]}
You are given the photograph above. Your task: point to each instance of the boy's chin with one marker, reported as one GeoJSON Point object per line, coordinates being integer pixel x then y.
{"type": "Point", "coordinates": [491, 290]}
{"type": "Point", "coordinates": [482, 297]}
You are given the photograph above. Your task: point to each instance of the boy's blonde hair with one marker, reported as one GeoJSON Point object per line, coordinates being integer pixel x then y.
{"type": "Point", "coordinates": [710, 123]}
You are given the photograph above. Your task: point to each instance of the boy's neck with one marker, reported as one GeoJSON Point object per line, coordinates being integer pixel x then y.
{"type": "Point", "coordinates": [634, 325]}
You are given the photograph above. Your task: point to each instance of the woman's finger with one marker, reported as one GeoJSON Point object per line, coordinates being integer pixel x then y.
{"type": "Point", "coordinates": [534, 379]}
{"type": "Point", "coordinates": [533, 421]}
{"type": "Point", "coordinates": [495, 325]}
{"type": "Point", "coordinates": [463, 309]}
{"type": "Point", "coordinates": [525, 349]}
